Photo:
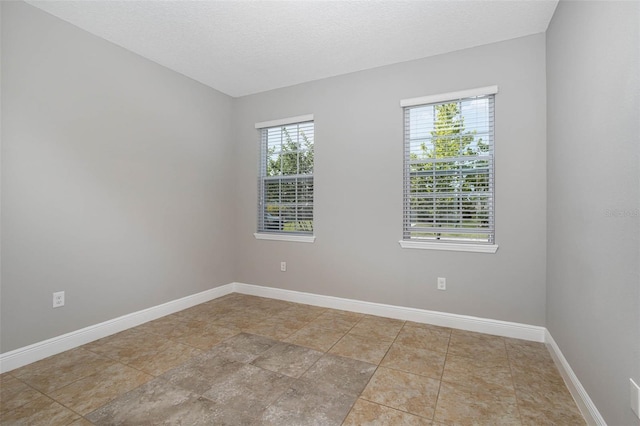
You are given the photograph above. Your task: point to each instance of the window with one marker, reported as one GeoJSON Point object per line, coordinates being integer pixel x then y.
{"type": "Point", "coordinates": [285, 183]}
{"type": "Point", "coordinates": [448, 171]}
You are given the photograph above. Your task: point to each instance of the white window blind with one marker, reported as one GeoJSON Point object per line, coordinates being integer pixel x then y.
{"type": "Point", "coordinates": [449, 170]}
{"type": "Point", "coordinates": [285, 184]}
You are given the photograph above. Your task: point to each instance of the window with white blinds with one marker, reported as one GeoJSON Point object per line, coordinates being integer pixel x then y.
{"type": "Point", "coordinates": [449, 169]}
{"type": "Point", "coordinates": [285, 187]}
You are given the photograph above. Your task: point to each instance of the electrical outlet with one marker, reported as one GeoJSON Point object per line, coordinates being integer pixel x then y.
{"type": "Point", "coordinates": [442, 283]}
{"type": "Point", "coordinates": [635, 397]}
{"type": "Point", "coordinates": [283, 266]}
{"type": "Point", "coordinates": [58, 299]}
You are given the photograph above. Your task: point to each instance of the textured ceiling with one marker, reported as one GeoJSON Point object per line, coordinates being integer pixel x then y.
{"type": "Point", "coordinates": [245, 47]}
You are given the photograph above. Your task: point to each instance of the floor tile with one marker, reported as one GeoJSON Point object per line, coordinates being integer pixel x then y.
{"type": "Point", "coordinates": [241, 321]}
{"type": "Point", "coordinates": [304, 313]}
{"type": "Point", "coordinates": [377, 327]}
{"type": "Point", "coordinates": [403, 391]}
{"type": "Point", "coordinates": [128, 348]}
{"type": "Point", "coordinates": [89, 393]}
{"type": "Point", "coordinates": [60, 360]}
{"type": "Point", "coordinates": [553, 407]}
{"type": "Point", "coordinates": [523, 349]}
{"type": "Point", "coordinates": [315, 337]}
{"type": "Point", "coordinates": [206, 337]}
{"type": "Point", "coordinates": [187, 327]}
{"type": "Point", "coordinates": [307, 403]}
{"type": "Point", "coordinates": [414, 360]}
{"type": "Point", "coordinates": [355, 316]}
{"type": "Point", "coordinates": [203, 312]}
{"type": "Point", "coordinates": [170, 356]}
{"type": "Point", "coordinates": [476, 345]}
{"type": "Point", "coordinates": [490, 374]}
{"type": "Point", "coordinates": [346, 375]}
{"type": "Point", "coordinates": [40, 411]}
{"type": "Point", "coordinates": [148, 352]}
{"type": "Point", "coordinates": [130, 337]}
{"type": "Point", "coordinates": [243, 347]}
{"type": "Point", "coordinates": [15, 393]}
{"type": "Point", "coordinates": [201, 373]}
{"type": "Point", "coordinates": [162, 326]}
{"type": "Point", "coordinates": [471, 406]}
{"type": "Point", "coordinates": [277, 327]}
{"type": "Point", "coordinates": [339, 321]}
{"type": "Point", "coordinates": [81, 422]}
{"type": "Point", "coordinates": [424, 336]}
{"type": "Point", "coordinates": [247, 392]}
{"type": "Point", "coordinates": [242, 301]}
{"type": "Point", "coordinates": [365, 349]}
{"type": "Point", "coordinates": [542, 374]}
{"type": "Point", "coordinates": [365, 413]}
{"type": "Point", "coordinates": [156, 402]}
{"type": "Point", "coordinates": [290, 360]}
{"type": "Point", "coordinates": [60, 370]}
{"type": "Point", "coordinates": [273, 306]}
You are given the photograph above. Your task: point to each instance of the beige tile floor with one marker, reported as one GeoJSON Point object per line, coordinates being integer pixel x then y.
{"type": "Point", "coordinates": [245, 360]}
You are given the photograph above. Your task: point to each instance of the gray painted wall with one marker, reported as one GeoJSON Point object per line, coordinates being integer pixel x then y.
{"type": "Point", "coordinates": [593, 294]}
{"type": "Point", "coordinates": [114, 180]}
{"type": "Point", "coordinates": [358, 184]}
{"type": "Point", "coordinates": [121, 186]}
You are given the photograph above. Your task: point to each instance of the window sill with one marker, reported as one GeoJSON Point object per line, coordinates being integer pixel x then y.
{"type": "Point", "coordinates": [285, 237]}
{"type": "Point", "coordinates": [426, 245]}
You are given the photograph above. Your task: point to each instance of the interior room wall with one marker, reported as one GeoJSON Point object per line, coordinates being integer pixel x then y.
{"type": "Point", "coordinates": [115, 180]}
{"type": "Point", "coordinates": [128, 185]}
{"type": "Point", "coordinates": [358, 188]}
{"type": "Point", "coordinates": [593, 238]}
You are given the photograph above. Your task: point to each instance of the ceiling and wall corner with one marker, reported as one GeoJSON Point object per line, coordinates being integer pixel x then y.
{"type": "Point", "coordinates": [241, 48]}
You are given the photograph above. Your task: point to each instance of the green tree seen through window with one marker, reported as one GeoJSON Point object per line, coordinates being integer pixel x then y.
{"type": "Point", "coordinates": [449, 177]}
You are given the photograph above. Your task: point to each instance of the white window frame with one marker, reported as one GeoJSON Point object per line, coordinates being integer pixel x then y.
{"type": "Point", "coordinates": [277, 235]}
{"type": "Point", "coordinates": [409, 243]}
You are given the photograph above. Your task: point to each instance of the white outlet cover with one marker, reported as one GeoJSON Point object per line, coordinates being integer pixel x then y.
{"type": "Point", "coordinates": [635, 397]}
{"type": "Point", "coordinates": [58, 299]}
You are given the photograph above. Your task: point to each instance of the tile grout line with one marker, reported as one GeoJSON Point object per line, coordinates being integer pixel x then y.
{"type": "Point", "coordinates": [45, 395]}
{"type": "Point", "coordinates": [406, 372]}
{"type": "Point", "coordinates": [326, 352]}
{"type": "Point", "coordinates": [109, 401]}
{"type": "Point", "coordinates": [396, 408]}
{"type": "Point", "coordinates": [372, 374]}
{"type": "Point", "coordinates": [442, 375]}
{"type": "Point", "coordinates": [391, 368]}
{"type": "Point", "coordinates": [374, 371]}
{"type": "Point", "coordinates": [513, 383]}
{"type": "Point", "coordinates": [154, 377]}
{"type": "Point", "coordinates": [348, 331]}
{"type": "Point", "coordinates": [377, 365]}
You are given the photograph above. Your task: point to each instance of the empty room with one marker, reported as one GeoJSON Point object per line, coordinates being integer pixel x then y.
{"type": "Point", "coordinates": [320, 212]}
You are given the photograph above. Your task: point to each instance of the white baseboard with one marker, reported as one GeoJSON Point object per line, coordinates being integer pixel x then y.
{"type": "Point", "coordinates": [585, 404]}
{"type": "Point", "coordinates": [463, 322]}
{"type": "Point", "coordinates": [37, 351]}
